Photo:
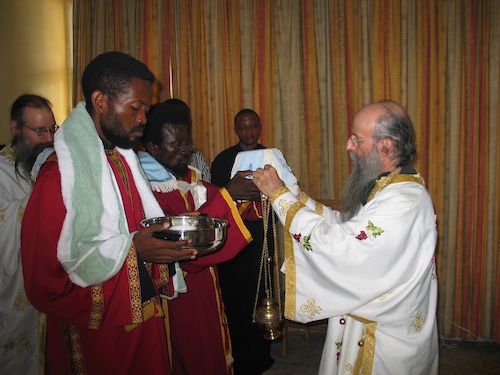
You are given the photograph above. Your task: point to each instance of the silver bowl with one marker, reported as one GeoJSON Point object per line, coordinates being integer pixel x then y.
{"type": "Point", "coordinates": [207, 234]}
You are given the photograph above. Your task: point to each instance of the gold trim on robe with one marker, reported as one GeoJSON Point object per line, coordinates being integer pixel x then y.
{"type": "Point", "coordinates": [366, 353]}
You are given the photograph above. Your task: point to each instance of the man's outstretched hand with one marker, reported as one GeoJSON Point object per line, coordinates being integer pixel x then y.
{"type": "Point", "coordinates": [267, 180]}
{"type": "Point", "coordinates": [240, 187]}
{"type": "Point", "coordinates": [157, 250]}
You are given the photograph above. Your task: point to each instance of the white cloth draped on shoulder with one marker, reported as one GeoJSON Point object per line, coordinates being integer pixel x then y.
{"type": "Point", "coordinates": [95, 238]}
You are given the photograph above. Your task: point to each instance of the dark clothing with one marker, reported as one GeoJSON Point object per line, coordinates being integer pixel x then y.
{"type": "Point", "coordinates": [407, 169]}
{"type": "Point", "coordinates": [223, 163]}
{"type": "Point", "coordinates": [238, 281]}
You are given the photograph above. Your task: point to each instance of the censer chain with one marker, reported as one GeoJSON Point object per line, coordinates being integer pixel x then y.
{"type": "Point", "coordinates": [265, 261]}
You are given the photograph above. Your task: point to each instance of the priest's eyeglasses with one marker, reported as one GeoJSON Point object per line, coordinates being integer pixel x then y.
{"type": "Point", "coordinates": [43, 131]}
{"type": "Point", "coordinates": [355, 140]}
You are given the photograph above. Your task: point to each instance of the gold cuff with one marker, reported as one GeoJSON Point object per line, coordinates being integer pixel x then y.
{"type": "Point", "coordinates": [275, 194]}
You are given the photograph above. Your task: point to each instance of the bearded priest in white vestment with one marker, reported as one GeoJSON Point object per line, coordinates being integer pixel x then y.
{"type": "Point", "coordinates": [369, 268]}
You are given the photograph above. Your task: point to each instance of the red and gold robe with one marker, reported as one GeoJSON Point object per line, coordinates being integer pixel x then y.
{"type": "Point", "coordinates": [196, 320]}
{"type": "Point", "coordinates": [115, 327]}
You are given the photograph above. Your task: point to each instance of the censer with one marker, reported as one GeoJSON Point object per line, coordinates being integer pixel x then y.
{"type": "Point", "coordinates": [268, 314]}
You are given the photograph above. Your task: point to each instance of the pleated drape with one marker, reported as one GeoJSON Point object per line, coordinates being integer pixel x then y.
{"type": "Point", "coordinates": [306, 66]}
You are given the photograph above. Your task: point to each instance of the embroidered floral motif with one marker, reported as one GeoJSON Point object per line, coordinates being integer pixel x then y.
{"type": "Point", "coordinates": [310, 308]}
{"type": "Point", "coordinates": [371, 232]}
{"type": "Point", "coordinates": [20, 214]}
{"type": "Point", "coordinates": [338, 344]}
{"type": "Point", "coordinates": [18, 345]}
{"type": "Point", "coordinates": [97, 306]}
{"type": "Point", "coordinates": [304, 241]}
{"type": "Point", "coordinates": [418, 323]}
{"type": "Point", "coordinates": [9, 154]}
{"type": "Point", "coordinates": [284, 206]}
{"type": "Point", "coordinates": [21, 302]}
{"type": "Point", "coordinates": [349, 368]}
{"type": "Point", "coordinates": [362, 235]}
{"type": "Point", "coordinates": [76, 351]}
{"type": "Point", "coordinates": [384, 296]}
{"type": "Point", "coordinates": [135, 286]}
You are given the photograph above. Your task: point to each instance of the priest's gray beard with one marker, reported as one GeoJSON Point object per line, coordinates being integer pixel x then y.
{"type": "Point", "coordinates": [359, 182]}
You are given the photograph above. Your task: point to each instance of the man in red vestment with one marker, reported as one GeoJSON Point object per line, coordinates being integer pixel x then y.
{"type": "Point", "coordinates": [196, 320]}
{"type": "Point", "coordinates": [87, 263]}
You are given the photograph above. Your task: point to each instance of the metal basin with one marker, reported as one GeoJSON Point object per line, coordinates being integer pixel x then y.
{"type": "Point", "coordinates": [207, 234]}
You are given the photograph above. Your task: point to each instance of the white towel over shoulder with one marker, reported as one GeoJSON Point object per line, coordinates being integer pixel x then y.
{"type": "Point", "coordinates": [95, 237]}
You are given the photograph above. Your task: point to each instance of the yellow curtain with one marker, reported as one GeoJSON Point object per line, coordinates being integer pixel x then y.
{"type": "Point", "coordinates": [306, 67]}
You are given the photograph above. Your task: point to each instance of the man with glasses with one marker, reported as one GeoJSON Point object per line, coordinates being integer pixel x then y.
{"type": "Point", "coordinates": [197, 316]}
{"type": "Point", "coordinates": [198, 160]}
{"type": "Point", "coordinates": [33, 126]}
{"type": "Point", "coordinates": [369, 268]}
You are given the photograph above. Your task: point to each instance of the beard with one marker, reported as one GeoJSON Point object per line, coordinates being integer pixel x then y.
{"type": "Point", "coordinates": [112, 129]}
{"type": "Point", "coordinates": [27, 152]}
{"type": "Point", "coordinates": [179, 171]}
{"type": "Point", "coordinates": [359, 183]}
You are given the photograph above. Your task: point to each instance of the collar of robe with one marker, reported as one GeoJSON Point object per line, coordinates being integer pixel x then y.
{"type": "Point", "coordinates": [404, 173]}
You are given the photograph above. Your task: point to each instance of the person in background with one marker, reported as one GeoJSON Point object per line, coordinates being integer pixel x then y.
{"type": "Point", "coordinates": [239, 276]}
{"type": "Point", "coordinates": [33, 126]}
{"type": "Point", "coordinates": [87, 262]}
{"type": "Point", "coordinates": [198, 160]}
{"type": "Point", "coordinates": [369, 268]}
{"type": "Point", "coordinates": [197, 316]}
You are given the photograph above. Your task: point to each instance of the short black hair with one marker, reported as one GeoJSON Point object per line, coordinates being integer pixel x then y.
{"type": "Point", "coordinates": [245, 111]}
{"type": "Point", "coordinates": [24, 101]}
{"type": "Point", "coordinates": [111, 73]}
{"type": "Point", "coordinates": [182, 107]}
{"type": "Point", "coordinates": [172, 111]}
